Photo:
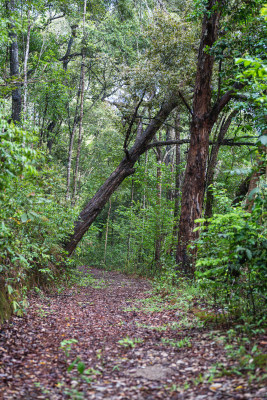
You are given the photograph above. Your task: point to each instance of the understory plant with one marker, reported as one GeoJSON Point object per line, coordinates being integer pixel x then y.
{"type": "Point", "coordinates": [232, 258]}
{"type": "Point", "coordinates": [33, 217]}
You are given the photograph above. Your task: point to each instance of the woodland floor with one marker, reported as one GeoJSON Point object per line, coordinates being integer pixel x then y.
{"type": "Point", "coordinates": [167, 362]}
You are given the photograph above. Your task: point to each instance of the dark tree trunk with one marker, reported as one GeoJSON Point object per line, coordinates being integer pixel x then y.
{"type": "Point", "coordinates": [213, 161]}
{"type": "Point", "coordinates": [14, 68]}
{"type": "Point", "coordinates": [202, 121]}
{"type": "Point", "coordinates": [125, 168]}
{"type": "Point", "coordinates": [203, 118]}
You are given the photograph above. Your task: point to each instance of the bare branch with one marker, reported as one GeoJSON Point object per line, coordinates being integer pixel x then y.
{"type": "Point", "coordinates": [185, 103]}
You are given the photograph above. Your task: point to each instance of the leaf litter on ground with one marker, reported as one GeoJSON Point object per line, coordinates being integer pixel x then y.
{"type": "Point", "coordinates": [121, 342]}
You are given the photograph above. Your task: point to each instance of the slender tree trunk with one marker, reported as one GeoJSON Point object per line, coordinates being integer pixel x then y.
{"type": "Point", "coordinates": [255, 177]}
{"type": "Point", "coordinates": [125, 168]}
{"type": "Point", "coordinates": [158, 206]}
{"type": "Point", "coordinates": [71, 142]}
{"type": "Point", "coordinates": [14, 68]}
{"type": "Point", "coordinates": [177, 182]}
{"type": "Point", "coordinates": [201, 125]}
{"type": "Point", "coordinates": [213, 161]}
{"type": "Point", "coordinates": [26, 57]}
{"type": "Point", "coordinates": [81, 112]}
{"type": "Point", "coordinates": [130, 230]}
{"type": "Point", "coordinates": [106, 238]}
{"type": "Point", "coordinates": [140, 251]}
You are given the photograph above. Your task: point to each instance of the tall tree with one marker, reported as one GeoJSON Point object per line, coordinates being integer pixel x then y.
{"type": "Point", "coordinates": [14, 64]}
{"type": "Point", "coordinates": [204, 116]}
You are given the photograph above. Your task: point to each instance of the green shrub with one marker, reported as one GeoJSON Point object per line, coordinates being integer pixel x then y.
{"type": "Point", "coordinates": [232, 258]}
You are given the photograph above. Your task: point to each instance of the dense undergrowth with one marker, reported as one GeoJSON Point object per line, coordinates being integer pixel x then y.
{"type": "Point", "coordinates": [34, 218]}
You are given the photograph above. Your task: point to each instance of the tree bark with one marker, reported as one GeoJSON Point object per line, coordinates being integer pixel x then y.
{"type": "Point", "coordinates": [26, 57]}
{"type": "Point", "coordinates": [125, 168]}
{"type": "Point", "coordinates": [106, 237]}
{"type": "Point", "coordinates": [202, 122]}
{"type": "Point", "coordinates": [71, 142]}
{"type": "Point", "coordinates": [75, 180]}
{"type": "Point", "coordinates": [14, 67]}
{"type": "Point", "coordinates": [177, 182]}
{"type": "Point", "coordinates": [158, 207]}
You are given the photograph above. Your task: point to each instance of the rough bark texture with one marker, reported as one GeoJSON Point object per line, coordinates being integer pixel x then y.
{"type": "Point", "coordinates": [125, 168]}
{"type": "Point", "coordinates": [202, 121]}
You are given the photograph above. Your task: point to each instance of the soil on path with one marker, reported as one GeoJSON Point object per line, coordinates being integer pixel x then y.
{"type": "Point", "coordinates": [128, 351]}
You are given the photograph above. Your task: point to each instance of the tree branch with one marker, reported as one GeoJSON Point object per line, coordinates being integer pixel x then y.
{"type": "Point", "coordinates": [224, 100]}
{"type": "Point", "coordinates": [225, 142]}
{"type": "Point", "coordinates": [185, 103]}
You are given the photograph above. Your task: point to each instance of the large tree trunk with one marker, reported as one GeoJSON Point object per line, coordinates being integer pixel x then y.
{"type": "Point", "coordinates": [202, 121]}
{"type": "Point", "coordinates": [125, 168]}
{"type": "Point", "coordinates": [14, 68]}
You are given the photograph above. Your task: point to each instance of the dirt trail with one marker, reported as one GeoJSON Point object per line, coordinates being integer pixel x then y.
{"type": "Point", "coordinates": [158, 357]}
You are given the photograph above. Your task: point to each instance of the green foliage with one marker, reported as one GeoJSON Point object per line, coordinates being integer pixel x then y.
{"type": "Point", "coordinates": [130, 342]}
{"type": "Point", "coordinates": [185, 342]}
{"type": "Point", "coordinates": [33, 219]}
{"type": "Point", "coordinates": [232, 259]}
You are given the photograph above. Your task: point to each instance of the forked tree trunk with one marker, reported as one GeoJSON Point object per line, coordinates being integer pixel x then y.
{"type": "Point", "coordinates": [125, 168]}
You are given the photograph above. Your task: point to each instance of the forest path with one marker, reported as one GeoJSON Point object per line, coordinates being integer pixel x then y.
{"type": "Point", "coordinates": [163, 353]}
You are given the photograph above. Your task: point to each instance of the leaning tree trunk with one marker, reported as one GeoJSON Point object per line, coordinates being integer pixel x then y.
{"type": "Point", "coordinates": [125, 168]}
{"type": "Point", "coordinates": [194, 182]}
{"type": "Point", "coordinates": [14, 68]}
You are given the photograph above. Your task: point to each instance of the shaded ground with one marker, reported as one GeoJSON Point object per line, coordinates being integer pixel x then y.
{"type": "Point", "coordinates": [130, 349]}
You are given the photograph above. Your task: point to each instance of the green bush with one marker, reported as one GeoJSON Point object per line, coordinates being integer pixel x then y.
{"type": "Point", "coordinates": [34, 216]}
{"type": "Point", "coordinates": [232, 258]}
